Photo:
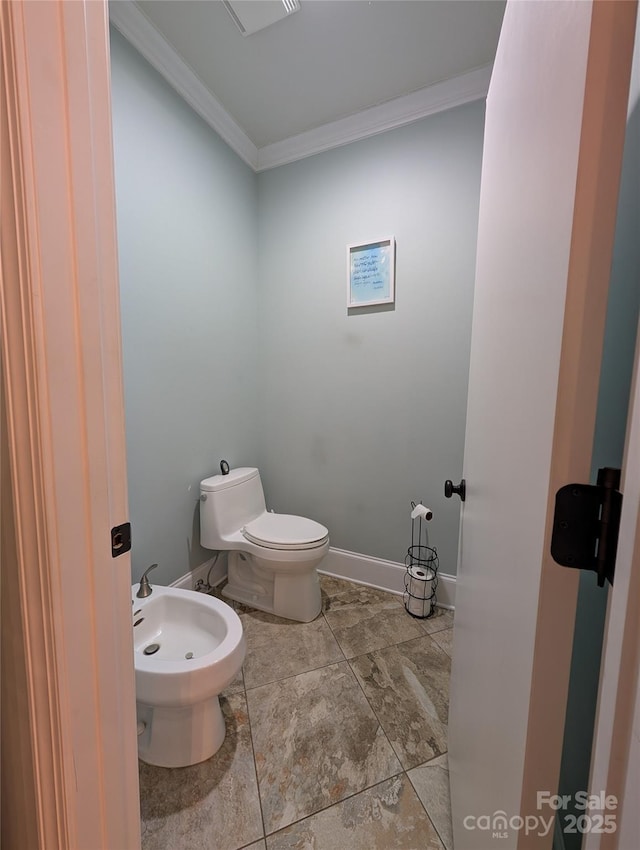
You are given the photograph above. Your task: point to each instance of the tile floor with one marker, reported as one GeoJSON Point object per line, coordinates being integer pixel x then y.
{"type": "Point", "coordinates": [336, 738]}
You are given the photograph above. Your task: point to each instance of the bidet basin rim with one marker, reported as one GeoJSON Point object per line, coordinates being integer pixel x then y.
{"type": "Point", "coordinates": [201, 646]}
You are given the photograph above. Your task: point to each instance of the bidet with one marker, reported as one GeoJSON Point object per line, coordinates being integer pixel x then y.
{"type": "Point", "coordinates": [188, 647]}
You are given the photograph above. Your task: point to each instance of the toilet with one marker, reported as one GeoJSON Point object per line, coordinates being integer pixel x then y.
{"type": "Point", "coordinates": [273, 558]}
{"type": "Point", "coordinates": [188, 647]}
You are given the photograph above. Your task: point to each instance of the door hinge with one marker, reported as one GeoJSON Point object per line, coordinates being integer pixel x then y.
{"type": "Point", "coordinates": [586, 525]}
{"type": "Point", "coordinates": [120, 539]}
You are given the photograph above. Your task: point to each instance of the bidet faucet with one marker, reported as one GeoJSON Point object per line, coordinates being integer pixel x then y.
{"type": "Point", "coordinates": [145, 588]}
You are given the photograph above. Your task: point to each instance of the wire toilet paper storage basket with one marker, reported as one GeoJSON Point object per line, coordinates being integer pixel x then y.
{"type": "Point", "coordinates": [421, 561]}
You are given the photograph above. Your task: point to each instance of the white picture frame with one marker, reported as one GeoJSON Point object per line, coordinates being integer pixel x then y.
{"type": "Point", "coordinates": [371, 274]}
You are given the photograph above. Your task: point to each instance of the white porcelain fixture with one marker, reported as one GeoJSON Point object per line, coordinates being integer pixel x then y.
{"type": "Point", "coordinates": [272, 557]}
{"type": "Point", "coordinates": [200, 649]}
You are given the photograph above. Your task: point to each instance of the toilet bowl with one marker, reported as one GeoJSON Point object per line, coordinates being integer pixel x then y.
{"type": "Point", "coordinates": [273, 558]}
{"type": "Point", "coordinates": [188, 647]}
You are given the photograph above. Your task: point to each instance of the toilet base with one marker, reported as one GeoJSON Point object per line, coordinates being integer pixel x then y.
{"type": "Point", "coordinates": [291, 595]}
{"type": "Point", "coordinates": [178, 737]}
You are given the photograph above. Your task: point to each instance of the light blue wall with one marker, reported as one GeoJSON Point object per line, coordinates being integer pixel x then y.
{"type": "Point", "coordinates": [187, 237]}
{"type": "Point", "coordinates": [360, 414]}
{"type": "Point", "coordinates": [237, 342]}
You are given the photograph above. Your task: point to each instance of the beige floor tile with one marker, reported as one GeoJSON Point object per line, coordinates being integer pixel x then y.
{"type": "Point", "coordinates": [408, 688]}
{"type": "Point", "coordinates": [364, 619]}
{"type": "Point", "coordinates": [431, 782]}
{"type": "Point", "coordinates": [386, 817]}
{"type": "Point", "coordinates": [352, 594]}
{"type": "Point", "coordinates": [237, 686]}
{"type": "Point", "coordinates": [442, 618]}
{"type": "Point", "coordinates": [318, 744]}
{"type": "Point", "coordinates": [316, 741]}
{"type": "Point", "coordinates": [444, 639]}
{"type": "Point", "coordinates": [278, 648]}
{"type": "Point", "coordinates": [331, 586]}
{"type": "Point", "coordinates": [213, 804]}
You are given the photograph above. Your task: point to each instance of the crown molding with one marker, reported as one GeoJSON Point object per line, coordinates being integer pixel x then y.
{"type": "Point", "coordinates": [378, 119]}
{"type": "Point", "coordinates": [140, 32]}
{"type": "Point", "coordinates": [127, 18]}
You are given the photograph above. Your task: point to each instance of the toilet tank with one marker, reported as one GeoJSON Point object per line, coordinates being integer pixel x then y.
{"type": "Point", "coordinates": [231, 501]}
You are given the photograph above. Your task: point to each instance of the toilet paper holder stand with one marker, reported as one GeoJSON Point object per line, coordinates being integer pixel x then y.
{"type": "Point", "coordinates": [421, 562]}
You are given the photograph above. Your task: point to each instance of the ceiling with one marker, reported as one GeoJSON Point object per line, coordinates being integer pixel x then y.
{"type": "Point", "coordinates": [330, 61]}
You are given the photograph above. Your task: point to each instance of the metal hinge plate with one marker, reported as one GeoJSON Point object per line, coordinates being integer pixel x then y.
{"type": "Point", "coordinates": [586, 524]}
{"type": "Point", "coordinates": [120, 539]}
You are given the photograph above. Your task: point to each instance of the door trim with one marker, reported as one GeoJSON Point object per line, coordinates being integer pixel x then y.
{"type": "Point", "coordinates": [62, 376]}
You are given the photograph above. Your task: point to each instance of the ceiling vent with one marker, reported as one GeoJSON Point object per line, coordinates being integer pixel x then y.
{"type": "Point", "coordinates": [253, 15]}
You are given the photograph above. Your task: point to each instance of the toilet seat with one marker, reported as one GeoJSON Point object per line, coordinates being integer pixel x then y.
{"type": "Point", "coordinates": [285, 531]}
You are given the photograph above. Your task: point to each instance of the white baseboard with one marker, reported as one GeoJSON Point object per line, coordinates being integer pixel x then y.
{"type": "Point", "coordinates": [361, 569]}
{"type": "Point", "coordinates": [381, 574]}
{"type": "Point", "coordinates": [189, 580]}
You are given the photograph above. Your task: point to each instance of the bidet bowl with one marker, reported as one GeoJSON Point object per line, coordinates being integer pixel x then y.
{"type": "Point", "coordinates": [188, 646]}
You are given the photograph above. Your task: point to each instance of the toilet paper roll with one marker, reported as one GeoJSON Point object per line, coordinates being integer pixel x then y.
{"type": "Point", "coordinates": [419, 586]}
{"type": "Point", "coordinates": [422, 512]}
{"type": "Point", "coordinates": [421, 575]}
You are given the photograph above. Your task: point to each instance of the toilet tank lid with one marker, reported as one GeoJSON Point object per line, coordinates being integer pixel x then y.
{"type": "Point", "coordinates": [235, 476]}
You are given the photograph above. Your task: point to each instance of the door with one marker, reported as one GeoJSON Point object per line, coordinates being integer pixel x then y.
{"type": "Point", "coordinates": [554, 135]}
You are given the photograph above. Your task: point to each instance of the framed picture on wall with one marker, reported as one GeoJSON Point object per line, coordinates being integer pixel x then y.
{"type": "Point", "coordinates": [371, 273]}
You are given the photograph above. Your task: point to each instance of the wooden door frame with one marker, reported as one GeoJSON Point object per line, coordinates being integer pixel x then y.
{"type": "Point", "coordinates": [64, 435]}
{"type": "Point", "coordinates": [615, 762]}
